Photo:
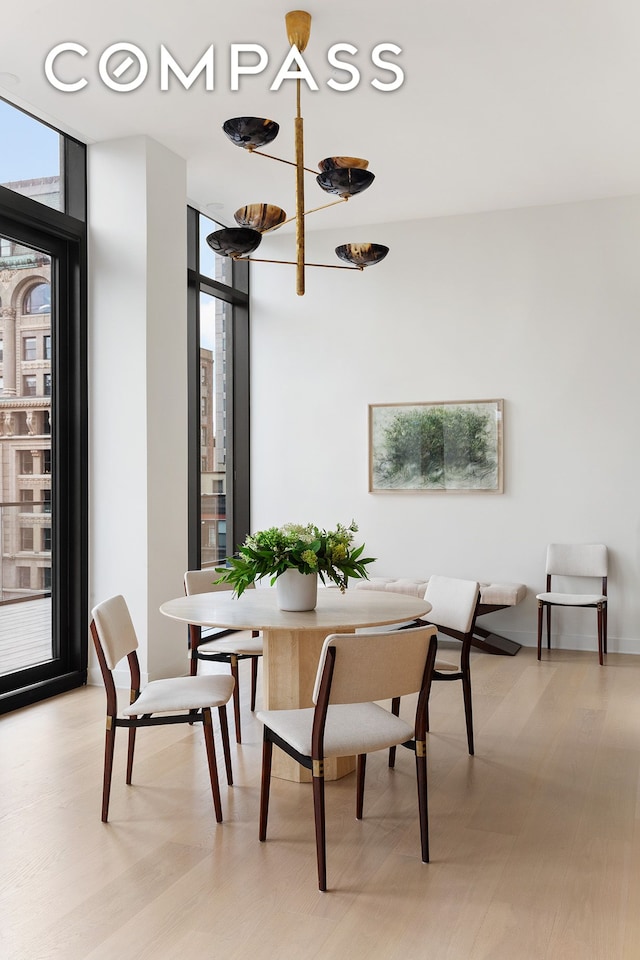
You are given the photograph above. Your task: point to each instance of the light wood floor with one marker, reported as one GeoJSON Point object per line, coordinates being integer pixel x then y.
{"type": "Point", "coordinates": [535, 841]}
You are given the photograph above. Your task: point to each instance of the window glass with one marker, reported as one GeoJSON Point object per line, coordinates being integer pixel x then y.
{"type": "Point", "coordinates": [26, 538]}
{"type": "Point", "coordinates": [212, 264]}
{"type": "Point", "coordinates": [30, 157]}
{"type": "Point", "coordinates": [29, 348]}
{"type": "Point", "coordinates": [38, 300]}
{"type": "Point", "coordinates": [214, 317]}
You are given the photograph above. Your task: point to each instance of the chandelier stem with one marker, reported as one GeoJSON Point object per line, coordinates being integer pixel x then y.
{"type": "Point", "coordinates": [299, 133]}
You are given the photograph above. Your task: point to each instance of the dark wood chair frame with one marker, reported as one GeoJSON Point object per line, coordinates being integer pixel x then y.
{"type": "Point", "coordinates": [463, 674]}
{"type": "Point", "coordinates": [600, 606]}
{"type": "Point", "coordinates": [196, 638]}
{"type": "Point", "coordinates": [315, 763]}
{"type": "Point", "coordinates": [147, 720]}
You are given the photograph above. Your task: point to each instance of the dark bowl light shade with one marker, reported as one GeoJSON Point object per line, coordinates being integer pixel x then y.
{"type": "Point", "coordinates": [362, 254]}
{"type": "Point", "coordinates": [251, 132]}
{"type": "Point", "coordinates": [339, 163]}
{"type": "Point", "coordinates": [345, 181]}
{"type": "Point", "coordinates": [260, 216]}
{"type": "Point", "coordinates": [234, 241]}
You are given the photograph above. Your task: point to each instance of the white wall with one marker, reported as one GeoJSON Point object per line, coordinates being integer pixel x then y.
{"type": "Point", "coordinates": [138, 390]}
{"type": "Point", "coordinates": [538, 306]}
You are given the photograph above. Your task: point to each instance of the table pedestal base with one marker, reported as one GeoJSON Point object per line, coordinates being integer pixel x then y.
{"type": "Point", "coordinates": [289, 668]}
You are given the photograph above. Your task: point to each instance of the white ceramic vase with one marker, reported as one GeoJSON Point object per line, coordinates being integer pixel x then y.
{"type": "Point", "coordinates": [297, 591]}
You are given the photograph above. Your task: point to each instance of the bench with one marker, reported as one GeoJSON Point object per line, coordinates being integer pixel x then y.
{"type": "Point", "coordinates": [493, 596]}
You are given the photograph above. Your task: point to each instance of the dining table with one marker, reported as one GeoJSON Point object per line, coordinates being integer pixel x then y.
{"type": "Point", "coordinates": [292, 642]}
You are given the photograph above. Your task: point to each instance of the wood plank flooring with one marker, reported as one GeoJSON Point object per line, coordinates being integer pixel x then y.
{"type": "Point", "coordinates": [535, 841]}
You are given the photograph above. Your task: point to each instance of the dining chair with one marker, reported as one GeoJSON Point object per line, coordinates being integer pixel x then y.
{"type": "Point", "coordinates": [160, 702]}
{"type": "Point", "coordinates": [229, 649]}
{"type": "Point", "coordinates": [575, 560]}
{"type": "Point", "coordinates": [453, 611]}
{"type": "Point", "coordinates": [354, 671]}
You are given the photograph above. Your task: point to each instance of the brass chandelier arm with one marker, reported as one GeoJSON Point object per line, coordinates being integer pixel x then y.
{"type": "Point", "coordinates": [290, 163]}
{"type": "Point", "coordinates": [306, 214]}
{"type": "Point", "coordinates": [293, 263]}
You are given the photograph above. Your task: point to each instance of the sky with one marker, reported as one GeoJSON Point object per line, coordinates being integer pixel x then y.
{"type": "Point", "coordinates": [28, 148]}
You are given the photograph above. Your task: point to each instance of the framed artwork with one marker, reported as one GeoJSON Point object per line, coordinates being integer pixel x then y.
{"type": "Point", "coordinates": [450, 447]}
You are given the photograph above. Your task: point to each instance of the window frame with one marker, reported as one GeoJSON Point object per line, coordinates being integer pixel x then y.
{"type": "Point", "coordinates": [63, 236]}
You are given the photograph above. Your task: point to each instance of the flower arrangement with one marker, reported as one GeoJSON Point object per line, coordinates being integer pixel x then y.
{"type": "Point", "coordinates": [308, 549]}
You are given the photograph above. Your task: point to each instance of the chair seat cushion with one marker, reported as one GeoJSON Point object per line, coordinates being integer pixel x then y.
{"type": "Point", "coordinates": [572, 599]}
{"type": "Point", "coordinates": [182, 693]}
{"type": "Point", "coordinates": [351, 728]}
{"type": "Point", "coordinates": [445, 667]}
{"type": "Point", "coordinates": [241, 646]}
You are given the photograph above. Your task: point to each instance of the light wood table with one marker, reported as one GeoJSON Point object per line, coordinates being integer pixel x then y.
{"type": "Point", "coordinates": [293, 641]}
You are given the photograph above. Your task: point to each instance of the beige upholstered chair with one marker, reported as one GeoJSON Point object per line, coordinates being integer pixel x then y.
{"type": "Point", "coordinates": [354, 670]}
{"type": "Point", "coordinates": [453, 612]}
{"type": "Point", "coordinates": [175, 700]}
{"type": "Point", "coordinates": [228, 649]}
{"type": "Point", "coordinates": [575, 560]}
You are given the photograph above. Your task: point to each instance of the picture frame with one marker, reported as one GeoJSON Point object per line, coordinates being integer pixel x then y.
{"type": "Point", "coordinates": [454, 446]}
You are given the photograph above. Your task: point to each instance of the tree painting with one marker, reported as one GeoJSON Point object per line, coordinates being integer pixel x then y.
{"type": "Point", "coordinates": [445, 446]}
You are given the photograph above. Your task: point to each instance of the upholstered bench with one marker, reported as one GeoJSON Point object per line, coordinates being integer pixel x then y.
{"type": "Point", "coordinates": [493, 596]}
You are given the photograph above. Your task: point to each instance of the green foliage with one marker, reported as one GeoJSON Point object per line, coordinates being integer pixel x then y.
{"type": "Point", "coordinates": [309, 549]}
{"type": "Point", "coordinates": [434, 445]}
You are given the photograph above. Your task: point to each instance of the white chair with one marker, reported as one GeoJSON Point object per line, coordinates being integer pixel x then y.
{"type": "Point", "coordinates": [175, 700]}
{"type": "Point", "coordinates": [354, 670]}
{"type": "Point", "coordinates": [453, 612]}
{"type": "Point", "coordinates": [228, 649]}
{"type": "Point", "coordinates": [575, 560]}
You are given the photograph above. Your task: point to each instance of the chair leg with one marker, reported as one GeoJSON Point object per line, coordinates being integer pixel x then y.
{"type": "Point", "coordinates": [600, 635]}
{"type": "Point", "coordinates": [321, 840]}
{"type": "Point", "coordinates": [236, 697]}
{"type": "Point", "coordinates": [254, 682]}
{"type": "Point", "coordinates": [224, 732]}
{"type": "Point", "coordinates": [108, 767]}
{"type": "Point", "coordinates": [548, 626]}
{"type": "Point", "coordinates": [395, 710]}
{"type": "Point", "coordinates": [468, 711]}
{"type": "Point", "coordinates": [267, 750]}
{"type": "Point", "coordinates": [423, 810]}
{"type": "Point", "coordinates": [360, 775]}
{"type": "Point", "coordinates": [540, 613]}
{"type": "Point", "coordinates": [211, 757]}
{"type": "Point", "coordinates": [604, 625]}
{"type": "Point", "coordinates": [130, 751]}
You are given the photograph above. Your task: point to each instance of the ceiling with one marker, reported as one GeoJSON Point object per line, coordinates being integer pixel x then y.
{"type": "Point", "coordinates": [505, 103]}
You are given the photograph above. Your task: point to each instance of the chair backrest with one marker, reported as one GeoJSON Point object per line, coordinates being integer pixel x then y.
{"type": "Point", "coordinates": [577, 560]}
{"type": "Point", "coordinates": [453, 602]}
{"type": "Point", "coordinates": [375, 666]}
{"type": "Point", "coordinates": [114, 629]}
{"type": "Point", "coordinates": [202, 581]}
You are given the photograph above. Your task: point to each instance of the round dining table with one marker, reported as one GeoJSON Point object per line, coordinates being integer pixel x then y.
{"type": "Point", "coordinates": [293, 642]}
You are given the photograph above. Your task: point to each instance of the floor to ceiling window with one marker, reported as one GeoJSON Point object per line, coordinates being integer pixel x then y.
{"type": "Point", "coordinates": [43, 452]}
{"type": "Point", "coordinates": [218, 400]}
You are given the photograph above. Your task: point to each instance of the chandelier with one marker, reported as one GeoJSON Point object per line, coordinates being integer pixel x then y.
{"type": "Point", "coordinates": [343, 177]}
